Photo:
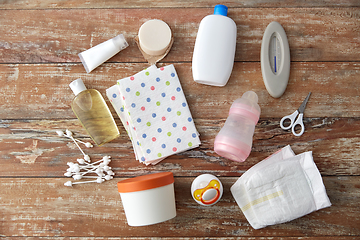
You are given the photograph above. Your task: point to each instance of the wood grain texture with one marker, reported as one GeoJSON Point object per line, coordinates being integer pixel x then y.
{"type": "Point", "coordinates": [38, 36]}
{"type": "Point", "coordinates": [39, 46]}
{"type": "Point", "coordinates": [32, 148]}
{"type": "Point", "coordinates": [44, 207]}
{"type": "Point", "coordinates": [60, 4]}
{"type": "Point", "coordinates": [41, 91]}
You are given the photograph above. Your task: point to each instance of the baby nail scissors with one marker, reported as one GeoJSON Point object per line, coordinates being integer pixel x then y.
{"type": "Point", "coordinates": [299, 120]}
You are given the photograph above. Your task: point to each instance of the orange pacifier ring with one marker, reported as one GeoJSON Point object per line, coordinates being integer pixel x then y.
{"type": "Point", "coordinates": [209, 194]}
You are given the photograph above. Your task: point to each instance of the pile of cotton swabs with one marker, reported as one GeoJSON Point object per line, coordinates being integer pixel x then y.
{"type": "Point", "coordinates": [99, 170]}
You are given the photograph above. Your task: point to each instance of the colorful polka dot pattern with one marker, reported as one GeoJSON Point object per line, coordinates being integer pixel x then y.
{"type": "Point", "coordinates": [156, 107]}
{"type": "Point", "coordinates": [116, 99]}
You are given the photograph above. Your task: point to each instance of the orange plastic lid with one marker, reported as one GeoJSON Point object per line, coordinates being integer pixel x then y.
{"type": "Point", "coordinates": [145, 182]}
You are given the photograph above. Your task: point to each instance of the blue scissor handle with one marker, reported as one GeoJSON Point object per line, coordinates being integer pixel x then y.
{"type": "Point", "coordinates": [291, 118]}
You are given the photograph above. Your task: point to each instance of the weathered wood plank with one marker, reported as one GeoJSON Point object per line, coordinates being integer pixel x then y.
{"type": "Point", "coordinates": [32, 148]}
{"type": "Point", "coordinates": [44, 207]}
{"type": "Point", "coordinates": [41, 91]}
{"type": "Point", "coordinates": [32, 36]}
{"type": "Point", "coordinates": [39, 44]}
{"type": "Point", "coordinates": [60, 4]}
{"type": "Point", "coordinates": [199, 238]}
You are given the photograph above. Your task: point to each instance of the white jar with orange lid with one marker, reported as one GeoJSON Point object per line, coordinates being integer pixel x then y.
{"type": "Point", "coordinates": [148, 199]}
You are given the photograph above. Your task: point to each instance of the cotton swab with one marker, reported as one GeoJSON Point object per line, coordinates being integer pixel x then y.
{"type": "Point", "coordinates": [78, 177]}
{"type": "Point", "coordinates": [70, 184]}
{"type": "Point", "coordinates": [105, 159]}
{"type": "Point", "coordinates": [83, 166]}
{"type": "Point", "coordinates": [69, 135]}
{"type": "Point", "coordinates": [87, 144]}
{"type": "Point", "coordinates": [61, 134]}
{"type": "Point", "coordinates": [89, 168]}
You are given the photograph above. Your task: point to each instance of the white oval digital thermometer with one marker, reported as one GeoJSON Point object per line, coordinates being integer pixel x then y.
{"type": "Point", "coordinates": [275, 59]}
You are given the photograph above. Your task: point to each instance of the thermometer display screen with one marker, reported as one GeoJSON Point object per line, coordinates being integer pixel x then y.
{"type": "Point", "coordinates": [275, 54]}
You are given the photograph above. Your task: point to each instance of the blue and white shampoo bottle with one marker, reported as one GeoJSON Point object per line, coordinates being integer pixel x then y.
{"type": "Point", "coordinates": [214, 50]}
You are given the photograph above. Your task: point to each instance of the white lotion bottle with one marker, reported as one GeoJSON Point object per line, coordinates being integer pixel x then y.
{"type": "Point", "coordinates": [214, 50]}
{"type": "Point", "coordinates": [95, 56]}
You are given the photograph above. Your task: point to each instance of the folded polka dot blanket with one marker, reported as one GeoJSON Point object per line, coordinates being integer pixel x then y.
{"type": "Point", "coordinates": [153, 109]}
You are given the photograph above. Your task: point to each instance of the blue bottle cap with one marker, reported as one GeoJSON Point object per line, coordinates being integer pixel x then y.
{"type": "Point", "coordinates": [220, 10]}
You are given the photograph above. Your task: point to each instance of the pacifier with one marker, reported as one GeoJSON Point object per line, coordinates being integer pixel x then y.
{"type": "Point", "coordinates": [206, 189]}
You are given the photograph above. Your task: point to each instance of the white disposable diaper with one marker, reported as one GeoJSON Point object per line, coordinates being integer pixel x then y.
{"type": "Point", "coordinates": [280, 188]}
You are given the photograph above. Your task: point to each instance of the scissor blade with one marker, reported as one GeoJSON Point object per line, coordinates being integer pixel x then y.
{"type": "Point", "coordinates": [303, 105]}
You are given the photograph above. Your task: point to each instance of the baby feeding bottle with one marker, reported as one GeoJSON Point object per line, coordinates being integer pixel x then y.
{"type": "Point", "coordinates": [234, 140]}
{"type": "Point", "coordinates": [214, 50]}
{"type": "Point", "coordinates": [94, 115]}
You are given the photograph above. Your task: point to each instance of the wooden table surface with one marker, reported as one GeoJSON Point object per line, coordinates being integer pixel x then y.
{"type": "Point", "coordinates": [39, 46]}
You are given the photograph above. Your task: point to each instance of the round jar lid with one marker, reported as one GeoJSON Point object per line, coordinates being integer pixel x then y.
{"type": "Point", "coordinates": [154, 37]}
{"type": "Point", "coordinates": [145, 182]}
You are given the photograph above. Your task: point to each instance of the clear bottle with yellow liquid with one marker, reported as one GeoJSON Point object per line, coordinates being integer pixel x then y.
{"type": "Point", "coordinates": [91, 109]}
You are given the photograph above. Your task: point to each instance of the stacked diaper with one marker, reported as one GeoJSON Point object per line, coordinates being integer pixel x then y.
{"type": "Point", "coordinates": [153, 109]}
{"type": "Point", "coordinates": [280, 188]}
